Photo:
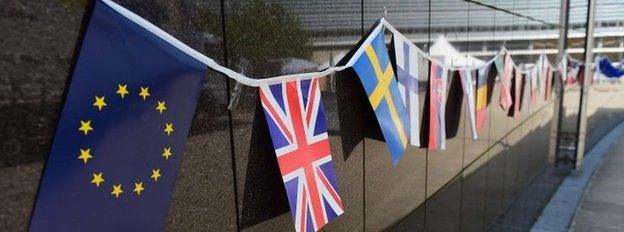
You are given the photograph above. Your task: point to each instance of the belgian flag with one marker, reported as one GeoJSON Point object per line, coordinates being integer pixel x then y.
{"type": "Point", "coordinates": [486, 77]}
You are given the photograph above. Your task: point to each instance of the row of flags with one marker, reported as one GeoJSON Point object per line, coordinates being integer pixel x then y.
{"type": "Point", "coordinates": [440, 102]}
{"type": "Point", "coordinates": [296, 119]}
{"type": "Point", "coordinates": [133, 93]}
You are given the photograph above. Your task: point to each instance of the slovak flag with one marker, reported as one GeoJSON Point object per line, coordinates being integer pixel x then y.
{"type": "Point", "coordinates": [406, 60]}
{"type": "Point", "coordinates": [468, 87]}
{"type": "Point", "coordinates": [296, 121]}
{"type": "Point", "coordinates": [433, 135]}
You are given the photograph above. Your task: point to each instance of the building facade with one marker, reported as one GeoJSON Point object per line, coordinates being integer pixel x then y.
{"type": "Point", "coordinates": [229, 179]}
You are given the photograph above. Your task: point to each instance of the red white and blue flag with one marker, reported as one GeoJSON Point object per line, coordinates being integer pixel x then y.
{"type": "Point", "coordinates": [296, 121]}
{"type": "Point", "coordinates": [434, 136]}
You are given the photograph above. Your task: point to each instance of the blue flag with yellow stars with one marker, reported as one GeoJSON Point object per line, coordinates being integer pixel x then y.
{"type": "Point", "coordinates": [377, 76]}
{"type": "Point", "coordinates": [122, 130]}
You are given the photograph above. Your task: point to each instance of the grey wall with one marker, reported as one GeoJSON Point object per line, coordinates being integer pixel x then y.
{"type": "Point", "coordinates": [229, 172]}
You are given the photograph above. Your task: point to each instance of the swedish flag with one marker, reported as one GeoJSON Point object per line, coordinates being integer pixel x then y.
{"type": "Point", "coordinates": [376, 74]}
{"type": "Point", "coordinates": [122, 131]}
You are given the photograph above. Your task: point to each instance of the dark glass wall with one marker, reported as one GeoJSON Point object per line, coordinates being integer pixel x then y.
{"type": "Point", "coordinates": [229, 179]}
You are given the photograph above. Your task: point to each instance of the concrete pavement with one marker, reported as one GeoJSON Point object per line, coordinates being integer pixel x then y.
{"type": "Point", "coordinates": [602, 205]}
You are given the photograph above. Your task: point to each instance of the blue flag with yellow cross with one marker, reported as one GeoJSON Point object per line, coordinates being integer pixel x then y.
{"type": "Point", "coordinates": [122, 130]}
{"type": "Point", "coordinates": [377, 76]}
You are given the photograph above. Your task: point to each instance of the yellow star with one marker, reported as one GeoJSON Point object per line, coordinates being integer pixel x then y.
{"type": "Point", "coordinates": [144, 92]}
{"type": "Point", "coordinates": [155, 174]}
{"type": "Point", "coordinates": [117, 190]}
{"type": "Point", "coordinates": [97, 179]}
{"type": "Point", "coordinates": [161, 106]}
{"type": "Point", "coordinates": [85, 126]}
{"type": "Point", "coordinates": [138, 187]}
{"type": "Point", "coordinates": [168, 128]}
{"type": "Point", "coordinates": [122, 90]}
{"type": "Point", "coordinates": [85, 155]}
{"type": "Point", "coordinates": [99, 102]}
{"type": "Point", "coordinates": [167, 152]}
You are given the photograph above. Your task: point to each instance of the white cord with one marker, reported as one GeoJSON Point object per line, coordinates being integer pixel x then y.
{"type": "Point", "coordinates": [255, 82]}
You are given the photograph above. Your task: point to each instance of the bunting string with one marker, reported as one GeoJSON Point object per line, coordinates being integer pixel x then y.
{"type": "Point", "coordinates": [262, 81]}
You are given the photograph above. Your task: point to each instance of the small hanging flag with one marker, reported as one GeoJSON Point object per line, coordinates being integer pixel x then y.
{"type": "Point", "coordinates": [519, 94]}
{"type": "Point", "coordinates": [548, 83]}
{"type": "Point", "coordinates": [296, 121]}
{"type": "Point", "coordinates": [516, 92]}
{"type": "Point", "coordinates": [433, 133]}
{"type": "Point", "coordinates": [407, 57]}
{"type": "Point", "coordinates": [544, 65]}
{"type": "Point", "coordinates": [573, 73]}
{"type": "Point", "coordinates": [581, 74]}
{"type": "Point", "coordinates": [468, 87]}
{"type": "Point", "coordinates": [534, 89]}
{"type": "Point", "coordinates": [375, 72]}
{"type": "Point", "coordinates": [524, 101]}
{"type": "Point", "coordinates": [499, 63]}
{"type": "Point", "coordinates": [453, 106]}
{"type": "Point", "coordinates": [485, 83]}
{"type": "Point", "coordinates": [505, 93]}
{"type": "Point", "coordinates": [122, 131]}
{"type": "Point", "coordinates": [563, 70]}
{"type": "Point", "coordinates": [542, 81]}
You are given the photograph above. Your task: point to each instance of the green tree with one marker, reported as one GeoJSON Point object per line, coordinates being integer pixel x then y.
{"type": "Point", "coordinates": [263, 34]}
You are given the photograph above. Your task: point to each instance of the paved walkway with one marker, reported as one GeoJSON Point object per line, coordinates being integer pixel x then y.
{"type": "Point", "coordinates": [602, 205]}
{"type": "Point", "coordinates": [578, 187]}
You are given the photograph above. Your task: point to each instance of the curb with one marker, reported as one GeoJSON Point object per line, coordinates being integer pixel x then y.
{"type": "Point", "coordinates": [560, 210]}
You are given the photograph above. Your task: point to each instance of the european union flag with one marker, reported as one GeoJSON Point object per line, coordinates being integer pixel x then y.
{"type": "Point", "coordinates": [122, 131]}
{"type": "Point", "coordinates": [376, 74]}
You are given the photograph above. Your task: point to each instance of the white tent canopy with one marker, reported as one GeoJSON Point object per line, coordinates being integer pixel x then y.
{"type": "Point", "coordinates": [442, 50]}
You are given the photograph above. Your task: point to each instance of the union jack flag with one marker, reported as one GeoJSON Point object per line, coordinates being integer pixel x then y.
{"type": "Point", "coordinates": [296, 121]}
